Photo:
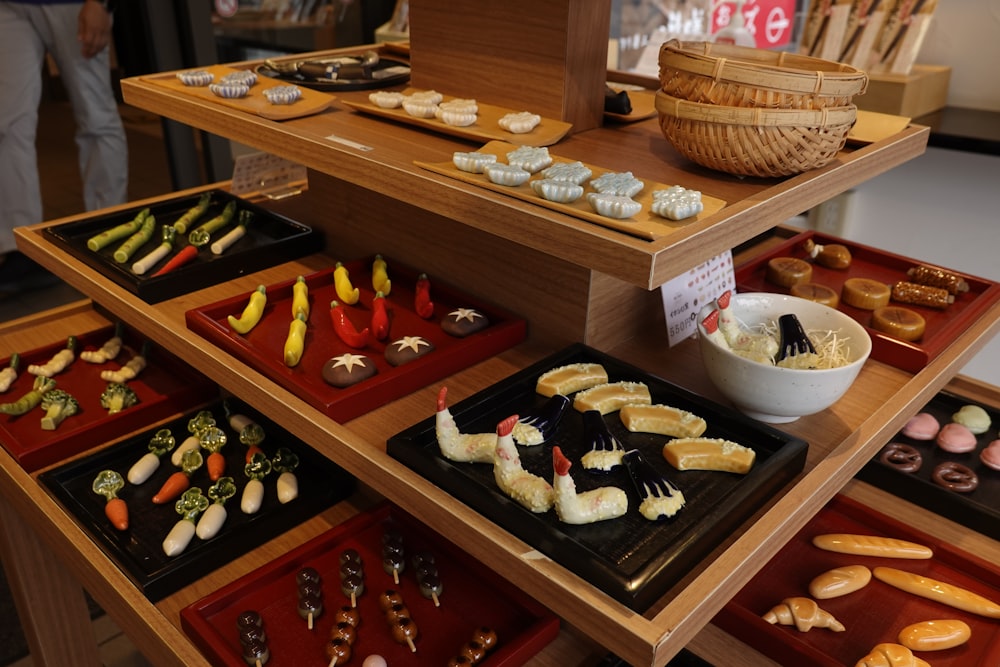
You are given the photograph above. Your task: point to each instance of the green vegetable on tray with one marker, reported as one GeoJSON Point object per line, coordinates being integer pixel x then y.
{"type": "Point", "coordinates": [193, 214]}
{"type": "Point", "coordinates": [109, 236]}
{"type": "Point", "coordinates": [58, 405]}
{"type": "Point", "coordinates": [136, 241]}
{"type": "Point", "coordinates": [31, 399]}
{"type": "Point", "coordinates": [203, 233]}
{"type": "Point", "coordinates": [117, 396]}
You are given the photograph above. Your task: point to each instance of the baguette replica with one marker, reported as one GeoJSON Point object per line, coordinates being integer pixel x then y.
{"type": "Point", "coordinates": [871, 545]}
{"type": "Point", "coordinates": [804, 614]}
{"type": "Point", "coordinates": [947, 594]}
{"type": "Point", "coordinates": [662, 420]}
{"type": "Point", "coordinates": [935, 635]}
{"type": "Point", "coordinates": [891, 655]}
{"type": "Point", "coordinates": [709, 454]}
{"type": "Point", "coordinates": [839, 581]}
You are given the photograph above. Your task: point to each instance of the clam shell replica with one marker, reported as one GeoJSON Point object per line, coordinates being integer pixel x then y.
{"type": "Point", "coordinates": [609, 205]}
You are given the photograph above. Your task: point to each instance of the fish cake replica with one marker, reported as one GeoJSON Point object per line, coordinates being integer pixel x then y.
{"type": "Point", "coordinates": [709, 454]}
{"type": "Point", "coordinates": [607, 398]}
{"type": "Point", "coordinates": [571, 378]}
{"type": "Point", "coordinates": [663, 420]}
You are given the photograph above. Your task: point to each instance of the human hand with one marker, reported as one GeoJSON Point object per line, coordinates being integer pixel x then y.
{"type": "Point", "coordinates": [93, 28]}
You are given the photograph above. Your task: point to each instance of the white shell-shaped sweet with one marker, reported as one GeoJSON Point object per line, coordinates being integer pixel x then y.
{"type": "Point", "coordinates": [505, 174]}
{"type": "Point", "coordinates": [519, 122]}
{"type": "Point", "coordinates": [562, 192]}
{"type": "Point", "coordinates": [419, 108]}
{"type": "Point", "coordinates": [198, 77]}
{"type": "Point", "coordinates": [676, 203]}
{"type": "Point", "coordinates": [229, 90]}
{"type": "Point", "coordinates": [283, 94]}
{"type": "Point", "coordinates": [609, 205]}
{"type": "Point", "coordinates": [572, 172]}
{"type": "Point", "coordinates": [386, 99]}
{"type": "Point", "coordinates": [461, 105]}
{"type": "Point", "coordinates": [429, 96]}
{"type": "Point", "coordinates": [530, 158]}
{"type": "Point", "coordinates": [241, 76]}
{"type": "Point", "coordinates": [472, 162]}
{"type": "Point", "coordinates": [455, 118]}
{"type": "Point", "coordinates": [618, 183]}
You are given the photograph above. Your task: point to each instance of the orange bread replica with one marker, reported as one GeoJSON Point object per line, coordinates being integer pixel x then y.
{"type": "Point", "coordinates": [839, 581]}
{"type": "Point", "coordinates": [612, 396]}
{"type": "Point", "coordinates": [932, 589]}
{"type": "Point", "coordinates": [709, 454]}
{"type": "Point", "coordinates": [891, 655]}
{"type": "Point", "coordinates": [662, 419]}
{"type": "Point", "coordinates": [871, 545]}
{"type": "Point", "coordinates": [935, 635]}
{"type": "Point", "coordinates": [804, 614]}
{"type": "Point", "coordinates": [570, 378]}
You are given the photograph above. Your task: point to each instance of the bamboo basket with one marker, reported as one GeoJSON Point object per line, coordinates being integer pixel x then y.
{"type": "Point", "coordinates": [754, 141]}
{"type": "Point", "coordinates": [730, 75]}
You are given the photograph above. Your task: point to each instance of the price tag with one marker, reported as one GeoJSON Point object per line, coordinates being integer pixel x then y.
{"type": "Point", "coordinates": [268, 175]}
{"type": "Point", "coordinates": [689, 292]}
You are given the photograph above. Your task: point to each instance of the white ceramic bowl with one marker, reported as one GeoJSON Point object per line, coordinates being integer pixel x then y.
{"type": "Point", "coordinates": [771, 393]}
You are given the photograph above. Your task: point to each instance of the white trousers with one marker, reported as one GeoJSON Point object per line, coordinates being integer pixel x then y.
{"type": "Point", "coordinates": [27, 32]}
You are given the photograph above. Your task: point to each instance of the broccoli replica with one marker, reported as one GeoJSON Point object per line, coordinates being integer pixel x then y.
{"type": "Point", "coordinates": [58, 405]}
{"type": "Point", "coordinates": [117, 396]}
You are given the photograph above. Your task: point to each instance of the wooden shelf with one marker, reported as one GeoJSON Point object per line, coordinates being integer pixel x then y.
{"type": "Point", "coordinates": [573, 281]}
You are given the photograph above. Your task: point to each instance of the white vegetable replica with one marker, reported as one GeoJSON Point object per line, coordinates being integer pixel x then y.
{"type": "Point", "coordinates": [9, 374]}
{"type": "Point", "coordinates": [201, 421]}
{"type": "Point", "coordinates": [161, 443]}
{"type": "Point", "coordinates": [59, 362]}
{"type": "Point", "coordinates": [604, 502]}
{"type": "Point", "coordinates": [131, 369]}
{"type": "Point", "coordinates": [211, 521]}
{"type": "Point", "coordinates": [256, 469]}
{"type": "Point", "coordinates": [530, 491]}
{"type": "Point", "coordinates": [112, 346]}
{"type": "Point", "coordinates": [191, 504]}
{"type": "Point", "coordinates": [285, 461]}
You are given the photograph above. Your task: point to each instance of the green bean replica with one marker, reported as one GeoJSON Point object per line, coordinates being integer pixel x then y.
{"type": "Point", "coordinates": [109, 236]}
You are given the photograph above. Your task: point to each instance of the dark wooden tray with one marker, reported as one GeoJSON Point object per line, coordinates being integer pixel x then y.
{"type": "Point", "coordinates": [138, 551]}
{"type": "Point", "coordinates": [165, 387]}
{"type": "Point", "coordinates": [979, 509]}
{"type": "Point", "coordinates": [867, 262]}
{"type": "Point", "coordinates": [873, 615]}
{"type": "Point", "coordinates": [270, 239]}
{"type": "Point", "coordinates": [630, 558]}
{"type": "Point", "coordinates": [472, 597]}
{"type": "Point", "coordinates": [262, 347]}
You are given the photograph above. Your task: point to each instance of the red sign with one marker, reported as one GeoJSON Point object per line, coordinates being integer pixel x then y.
{"type": "Point", "coordinates": [769, 21]}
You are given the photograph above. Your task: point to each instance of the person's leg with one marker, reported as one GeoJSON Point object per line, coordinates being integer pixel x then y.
{"type": "Point", "coordinates": [100, 136]}
{"type": "Point", "coordinates": [21, 58]}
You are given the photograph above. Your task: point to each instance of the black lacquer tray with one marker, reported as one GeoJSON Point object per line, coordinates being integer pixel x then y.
{"type": "Point", "coordinates": [630, 558]}
{"type": "Point", "coordinates": [979, 509]}
{"type": "Point", "coordinates": [138, 550]}
{"type": "Point", "coordinates": [270, 239]}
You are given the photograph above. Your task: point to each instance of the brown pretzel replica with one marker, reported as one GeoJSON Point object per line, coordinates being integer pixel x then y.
{"type": "Point", "coordinates": [955, 477]}
{"type": "Point", "coordinates": [902, 457]}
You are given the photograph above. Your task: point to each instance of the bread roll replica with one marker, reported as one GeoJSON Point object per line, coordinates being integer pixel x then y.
{"type": "Point", "coordinates": [891, 655]}
{"type": "Point", "coordinates": [804, 614]}
{"type": "Point", "coordinates": [932, 589]}
{"type": "Point", "coordinates": [662, 420]}
{"type": "Point", "coordinates": [709, 454]}
{"type": "Point", "coordinates": [936, 635]}
{"type": "Point", "coordinates": [839, 581]}
{"type": "Point", "coordinates": [570, 378]}
{"type": "Point", "coordinates": [871, 545]}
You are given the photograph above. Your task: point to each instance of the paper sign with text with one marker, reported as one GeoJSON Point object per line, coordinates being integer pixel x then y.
{"type": "Point", "coordinates": [689, 292]}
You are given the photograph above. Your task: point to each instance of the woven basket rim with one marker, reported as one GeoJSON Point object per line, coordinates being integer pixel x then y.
{"type": "Point", "coordinates": [790, 72]}
{"type": "Point", "coordinates": [754, 116]}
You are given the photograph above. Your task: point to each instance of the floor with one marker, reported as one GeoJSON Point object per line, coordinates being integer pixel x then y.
{"type": "Point", "coordinates": [62, 195]}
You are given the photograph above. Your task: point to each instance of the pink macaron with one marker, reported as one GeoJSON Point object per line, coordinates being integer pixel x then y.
{"type": "Point", "coordinates": [956, 438]}
{"type": "Point", "coordinates": [990, 456]}
{"type": "Point", "coordinates": [922, 426]}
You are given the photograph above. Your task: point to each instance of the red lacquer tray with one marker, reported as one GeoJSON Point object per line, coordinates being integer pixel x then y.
{"type": "Point", "coordinates": [867, 262]}
{"type": "Point", "coordinates": [872, 615]}
{"type": "Point", "coordinates": [165, 387]}
{"type": "Point", "coordinates": [262, 347]}
{"type": "Point", "coordinates": [471, 597]}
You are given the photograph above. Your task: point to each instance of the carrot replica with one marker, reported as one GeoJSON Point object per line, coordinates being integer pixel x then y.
{"type": "Point", "coordinates": [212, 440]}
{"type": "Point", "coordinates": [179, 482]}
{"type": "Point", "coordinates": [185, 256]}
{"type": "Point", "coordinates": [108, 483]}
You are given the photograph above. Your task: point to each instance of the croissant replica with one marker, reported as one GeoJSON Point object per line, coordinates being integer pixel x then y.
{"type": "Point", "coordinates": [891, 655]}
{"type": "Point", "coordinates": [804, 614]}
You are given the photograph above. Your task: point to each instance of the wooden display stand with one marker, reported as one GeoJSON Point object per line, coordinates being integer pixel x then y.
{"type": "Point", "coordinates": [923, 90]}
{"type": "Point", "coordinates": [548, 57]}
